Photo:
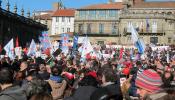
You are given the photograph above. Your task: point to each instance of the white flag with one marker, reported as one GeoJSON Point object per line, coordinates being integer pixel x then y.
{"type": "Point", "coordinates": [32, 49]}
{"type": "Point", "coordinates": [9, 48]}
{"type": "Point", "coordinates": [87, 47]}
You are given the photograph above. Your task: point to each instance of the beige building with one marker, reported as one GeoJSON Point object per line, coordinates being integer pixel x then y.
{"type": "Point", "coordinates": [99, 22]}
{"type": "Point", "coordinates": [110, 23]}
{"type": "Point", "coordinates": [154, 21]}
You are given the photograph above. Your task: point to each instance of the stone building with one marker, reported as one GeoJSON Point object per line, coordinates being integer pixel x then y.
{"type": "Point", "coordinates": [100, 22]}
{"type": "Point", "coordinates": [110, 23]}
{"type": "Point", "coordinates": [154, 21]}
{"type": "Point", "coordinates": [13, 25]}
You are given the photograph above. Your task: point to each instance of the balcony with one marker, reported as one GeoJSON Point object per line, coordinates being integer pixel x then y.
{"type": "Point", "coordinates": [142, 15]}
{"type": "Point", "coordinates": [159, 32]}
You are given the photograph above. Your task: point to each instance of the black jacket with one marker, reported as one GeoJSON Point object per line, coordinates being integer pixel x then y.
{"type": "Point", "coordinates": [13, 93]}
{"type": "Point", "coordinates": [82, 93]}
{"type": "Point", "coordinates": [109, 92]}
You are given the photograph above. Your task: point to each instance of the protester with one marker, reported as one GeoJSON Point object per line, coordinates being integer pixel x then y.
{"type": "Point", "coordinates": [8, 90]}
{"type": "Point", "coordinates": [149, 85]}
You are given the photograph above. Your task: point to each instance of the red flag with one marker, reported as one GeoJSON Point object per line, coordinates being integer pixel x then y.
{"type": "Point", "coordinates": [17, 42]}
{"type": "Point", "coordinates": [121, 53]}
{"type": "Point", "coordinates": [47, 51]}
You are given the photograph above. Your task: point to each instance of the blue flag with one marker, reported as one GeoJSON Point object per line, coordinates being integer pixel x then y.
{"type": "Point", "coordinates": [75, 44]}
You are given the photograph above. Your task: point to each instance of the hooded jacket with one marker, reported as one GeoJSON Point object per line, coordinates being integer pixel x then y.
{"type": "Point", "coordinates": [13, 93]}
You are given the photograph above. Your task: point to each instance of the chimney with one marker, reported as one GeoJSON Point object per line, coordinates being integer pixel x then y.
{"type": "Point", "coordinates": [57, 5]}
{"type": "Point", "coordinates": [110, 1]}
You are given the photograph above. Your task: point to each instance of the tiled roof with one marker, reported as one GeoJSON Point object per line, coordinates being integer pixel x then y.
{"type": "Point", "coordinates": [64, 12]}
{"type": "Point", "coordinates": [118, 5]}
{"type": "Point", "coordinates": [155, 5]}
{"type": "Point", "coordinates": [44, 17]}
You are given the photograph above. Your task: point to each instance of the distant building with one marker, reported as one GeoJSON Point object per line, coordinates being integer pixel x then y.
{"type": "Point", "coordinates": [154, 21]}
{"type": "Point", "coordinates": [45, 18]}
{"type": "Point", "coordinates": [62, 22]}
{"type": "Point", "coordinates": [110, 23]}
{"type": "Point", "coordinates": [100, 22]}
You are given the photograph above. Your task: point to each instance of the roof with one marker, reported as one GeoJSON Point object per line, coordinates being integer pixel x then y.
{"type": "Point", "coordinates": [155, 5]}
{"type": "Point", "coordinates": [64, 12]}
{"type": "Point", "coordinates": [118, 5]}
{"type": "Point", "coordinates": [44, 17]}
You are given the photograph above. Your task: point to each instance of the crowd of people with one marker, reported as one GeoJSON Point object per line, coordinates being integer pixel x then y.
{"type": "Point", "coordinates": [67, 77]}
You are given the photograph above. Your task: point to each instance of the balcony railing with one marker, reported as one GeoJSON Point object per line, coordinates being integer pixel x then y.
{"type": "Point", "coordinates": [147, 32]}
{"type": "Point", "coordinates": [142, 15]}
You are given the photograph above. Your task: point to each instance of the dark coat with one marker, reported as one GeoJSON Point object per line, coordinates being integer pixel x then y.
{"type": "Point", "coordinates": [112, 91]}
{"type": "Point", "coordinates": [82, 93]}
{"type": "Point", "coordinates": [13, 93]}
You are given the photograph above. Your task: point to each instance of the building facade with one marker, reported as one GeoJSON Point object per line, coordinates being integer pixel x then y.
{"type": "Point", "coordinates": [45, 18]}
{"type": "Point", "coordinates": [154, 21]}
{"type": "Point", "coordinates": [110, 23]}
{"type": "Point", "coordinates": [62, 22]}
{"type": "Point", "coordinates": [13, 25]}
{"type": "Point", "coordinates": [99, 22]}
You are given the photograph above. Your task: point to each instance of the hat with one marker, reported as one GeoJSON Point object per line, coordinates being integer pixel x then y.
{"type": "Point", "coordinates": [92, 73]}
{"type": "Point", "coordinates": [149, 80]}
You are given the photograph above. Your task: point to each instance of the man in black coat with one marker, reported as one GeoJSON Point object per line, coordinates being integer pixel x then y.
{"type": "Point", "coordinates": [8, 90]}
{"type": "Point", "coordinates": [110, 88]}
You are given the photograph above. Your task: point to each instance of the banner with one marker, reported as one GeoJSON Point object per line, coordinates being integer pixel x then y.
{"type": "Point", "coordinates": [65, 43]}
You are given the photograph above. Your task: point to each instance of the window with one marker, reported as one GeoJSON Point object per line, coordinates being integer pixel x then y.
{"type": "Point", "coordinates": [112, 13]}
{"type": "Point", "coordinates": [82, 13]}
{"type": "Point", "coordinates": [169, 40]}
{"type": "Point", "coordinates": [92, 13]}
{"type": "Point", "coordinates": [63, 19]}
{"type": "Point", "coordinates": [69, 19]}
{"type": "Point", "coordinates": [101, 28]}
{"type": "Point", "coordinates": [102, 13]}
{"type": "Point", "coordinates": [154, 40]}
{"type": "Point", "coordinates": [89, 26]}
{"type": "Point", "coordinates": [114, 27]}
{"type": "Point", "coordinates": [62, 30]}
{"type": "Point", "coordinates": [154, 27]}
{"type": "Point", "coordinates": [80, 28]}
{"type": "Point", "coordinates": [129, 27]}
{"type": "Point", "coordinates": [57, 19]}
{"type": "Point", "coordinates": [68, 29]}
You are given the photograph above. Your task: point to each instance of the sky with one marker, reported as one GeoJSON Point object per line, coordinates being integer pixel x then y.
{"type": "Point", "coordinates": [39, 5]}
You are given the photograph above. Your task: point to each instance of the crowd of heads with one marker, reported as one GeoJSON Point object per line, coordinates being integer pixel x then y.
{"type": "Point", "coordinates": [69, 78]}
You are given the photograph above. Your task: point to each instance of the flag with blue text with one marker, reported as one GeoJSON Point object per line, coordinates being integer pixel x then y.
{"type": "Point", "coordinates": [9, 48]}
{"type": "Point", "coordinates": [65, 43]}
